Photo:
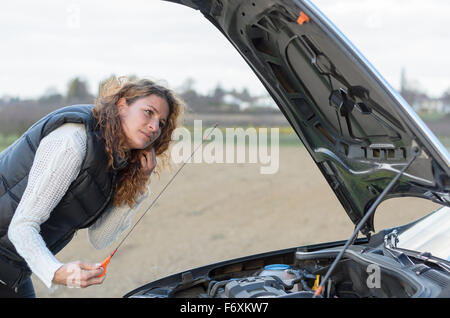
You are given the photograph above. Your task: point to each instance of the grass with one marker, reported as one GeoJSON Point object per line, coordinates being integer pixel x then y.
{"type": "Point", "coordinates": [6, 140]}
{"type": "Point", "coordinates": [445, 142]}
{"type": "Point", "coordinates": [287, 137]}
{"type": "Point", "coordinates": [432, 116]}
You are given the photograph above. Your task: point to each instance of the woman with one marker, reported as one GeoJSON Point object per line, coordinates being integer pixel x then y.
{"type": "Point", "coordinates": [82, 166]}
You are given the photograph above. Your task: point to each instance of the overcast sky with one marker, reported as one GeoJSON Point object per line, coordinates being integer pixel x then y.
{"type": "Point", "coordinates": [46, 43]}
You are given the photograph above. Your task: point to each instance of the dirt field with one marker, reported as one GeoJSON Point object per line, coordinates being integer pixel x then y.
{"type": "Point", "coordinates": [215, 212]}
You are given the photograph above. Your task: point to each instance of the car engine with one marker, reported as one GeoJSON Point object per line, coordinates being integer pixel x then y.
{"type": "Point", "coordinates": [277, 280]}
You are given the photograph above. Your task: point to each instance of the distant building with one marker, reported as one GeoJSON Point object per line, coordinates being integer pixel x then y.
{"type": "Point", "coordinates": [419, 101]}
{"type": "Point", "coordinates": [264, 101]}
{"type": "Point", "coordinates": [230, 99]}
{"type": "Point", "coordinates": [431, 105]}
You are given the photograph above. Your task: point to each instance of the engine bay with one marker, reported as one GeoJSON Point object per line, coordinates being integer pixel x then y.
{"type": "Point", "coordinates": [362, 273]}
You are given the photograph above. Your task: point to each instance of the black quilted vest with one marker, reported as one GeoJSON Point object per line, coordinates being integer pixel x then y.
{"type": "Point", "coordinates": [85, 200]}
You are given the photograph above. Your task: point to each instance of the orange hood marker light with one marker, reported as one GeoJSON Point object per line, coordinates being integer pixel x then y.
{"type": "Point", "coordinates": [302, 18]}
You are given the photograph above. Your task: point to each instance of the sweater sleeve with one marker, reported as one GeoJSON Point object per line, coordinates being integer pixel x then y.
{"type": "Point", "coordinates": [113, 222]}
{"type": "Point", "coordinates": [56, 164]}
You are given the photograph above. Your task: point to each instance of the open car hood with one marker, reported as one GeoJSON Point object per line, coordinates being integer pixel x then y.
{"type": "Point", "coordinates": [356, 127]}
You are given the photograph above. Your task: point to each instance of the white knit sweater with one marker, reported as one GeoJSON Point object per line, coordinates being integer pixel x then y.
{"type": "Point", "coordinates": [56, 164]}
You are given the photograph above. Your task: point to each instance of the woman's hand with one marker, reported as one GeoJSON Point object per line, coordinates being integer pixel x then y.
{"type": "Point", "coordinates": [148, 161]}
{"type": "Point", "coordinates": [78, 274]}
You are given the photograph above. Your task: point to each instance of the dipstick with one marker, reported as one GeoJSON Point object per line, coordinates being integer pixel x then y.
{"type": "Point", "coordinates": [106, 261]}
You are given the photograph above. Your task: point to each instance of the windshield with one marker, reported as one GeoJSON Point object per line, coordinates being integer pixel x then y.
{"type": "Point", "coordinates": [432, 235]}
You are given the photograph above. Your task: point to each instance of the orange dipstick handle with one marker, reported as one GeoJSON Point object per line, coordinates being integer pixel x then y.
{"type": "Point", "coordinates": [105, 263]}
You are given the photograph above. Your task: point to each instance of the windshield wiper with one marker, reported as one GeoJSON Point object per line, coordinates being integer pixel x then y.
{"type": "Point", "coordinates": [404, 256]}
{"type": "Point", "coordinates": [427, 257]}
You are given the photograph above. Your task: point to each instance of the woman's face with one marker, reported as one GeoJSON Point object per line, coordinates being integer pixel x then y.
{"type": "Point", "coordinates": [143, 120]}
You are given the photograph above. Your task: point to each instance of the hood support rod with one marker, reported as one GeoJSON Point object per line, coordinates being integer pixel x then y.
{"type": "Point", "coordinates": [415, 152]}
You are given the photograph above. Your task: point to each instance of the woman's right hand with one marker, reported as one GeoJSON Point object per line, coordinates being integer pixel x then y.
{"type": "Point", "coordinates": [148, 161]}
{"type": "Point", "coordinates": [78, 274]}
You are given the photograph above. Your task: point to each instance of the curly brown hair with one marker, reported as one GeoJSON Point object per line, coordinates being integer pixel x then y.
{"type": "Point", "coordinates": [131, 180]}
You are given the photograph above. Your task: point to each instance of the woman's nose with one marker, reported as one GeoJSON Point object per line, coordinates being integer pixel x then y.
{"type": "Point", "coordinates": [154, 124]}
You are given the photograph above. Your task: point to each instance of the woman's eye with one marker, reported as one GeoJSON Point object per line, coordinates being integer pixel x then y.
{"type": "Point", "coordinates": [148, 111]}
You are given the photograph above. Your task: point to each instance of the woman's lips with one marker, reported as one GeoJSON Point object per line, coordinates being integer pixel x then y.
{"type": "Point", "coordinates": [149, 136]}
